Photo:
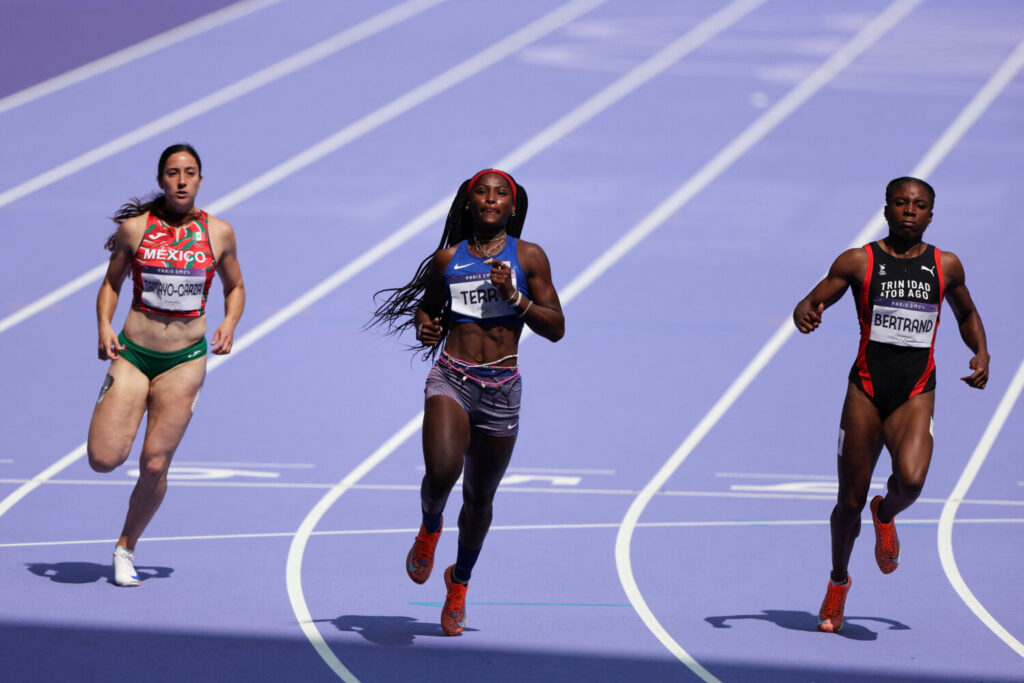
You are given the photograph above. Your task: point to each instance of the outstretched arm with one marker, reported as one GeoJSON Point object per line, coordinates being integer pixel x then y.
{"type": "Point", "coordinates": [972, 331]}
{"type": "Point", "coordinates": [846, 270]}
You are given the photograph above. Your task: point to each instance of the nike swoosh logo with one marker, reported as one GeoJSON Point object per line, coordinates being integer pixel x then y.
{"type": "Point", "coordinates": [461, 266]}
{"type": "Point", "coordinates": [513, 425]}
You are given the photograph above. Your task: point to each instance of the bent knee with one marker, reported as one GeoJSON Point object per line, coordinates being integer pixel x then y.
{"type": "Point", "coordinates": [106, 459]}
{"type": "Point", "coordinates": [911, 488]}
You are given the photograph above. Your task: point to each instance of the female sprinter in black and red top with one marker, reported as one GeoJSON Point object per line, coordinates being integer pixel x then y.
{"type": "Point", "coordinates": [898, 284]}
{"type": "Point", "coordinates": [468, 304]}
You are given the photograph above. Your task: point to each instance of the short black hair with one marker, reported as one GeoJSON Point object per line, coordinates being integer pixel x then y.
{"type": "Point", "coordinates": [896, 182]}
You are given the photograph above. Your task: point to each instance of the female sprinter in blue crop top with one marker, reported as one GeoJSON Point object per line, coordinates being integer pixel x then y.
{"type": "Point", "coordinates": [469, 301]}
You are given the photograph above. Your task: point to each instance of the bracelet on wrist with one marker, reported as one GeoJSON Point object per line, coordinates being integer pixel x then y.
{"type": "Point", "coordinates": [528, 304]}
{"type": "Point", "coordinates": [515, 298]}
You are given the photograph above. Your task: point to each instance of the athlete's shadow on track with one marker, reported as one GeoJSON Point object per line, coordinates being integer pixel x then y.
{"type": "Point", "coordinates": [90, 572]}
{"type": "Point", "coordinates": [388, 631]}
{"type": "Point", "coordinates": [805, 621]}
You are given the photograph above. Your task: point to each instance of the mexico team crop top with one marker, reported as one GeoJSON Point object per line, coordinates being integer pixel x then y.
{"type": "Point", "coordinates": [474, 299]}
{"type": "Point", "coordinates": [172, 275]}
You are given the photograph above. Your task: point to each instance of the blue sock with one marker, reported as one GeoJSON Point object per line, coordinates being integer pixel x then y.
{"type": "Point", "coordinates": [464, 564]}
{"type": "Point", "coordinates": [432, 523]}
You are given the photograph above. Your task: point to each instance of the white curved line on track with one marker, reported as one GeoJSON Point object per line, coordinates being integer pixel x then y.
{"type": "Point", "coordinates": [796, 97]}
{"type": "Point", "coordinates": [619, 89]}
{"type": "Point", "coordinates": [950, 137]}
{"type": "Point", "coordinates": [228, 93]}
{"type": "Point", "coordinates": [304, 58]}
{"type": "Point", "coordinates": [132, 52]}
{"type": "Point", "coordinates": [949, 510]}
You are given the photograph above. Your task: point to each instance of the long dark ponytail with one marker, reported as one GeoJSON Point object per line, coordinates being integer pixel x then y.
{"type": "Point", "coordinates": [398, 309]}
{"type": "Point", "coordinates": [136, 206]}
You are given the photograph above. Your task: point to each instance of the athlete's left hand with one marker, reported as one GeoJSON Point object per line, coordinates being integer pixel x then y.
{"type": "Point", "coordinates": [979, 378]}
{"type": "Point", "coordinates": [501, 278]}
{"type": "Point", "coordinates": [223, 340]}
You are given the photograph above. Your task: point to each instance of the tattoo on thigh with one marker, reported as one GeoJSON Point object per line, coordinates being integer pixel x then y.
{"type": "Point", "coordinates": [108, 382]}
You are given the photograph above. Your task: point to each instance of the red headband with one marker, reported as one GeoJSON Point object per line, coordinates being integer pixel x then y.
{"type": "Point", "coordinates": [506, 176]}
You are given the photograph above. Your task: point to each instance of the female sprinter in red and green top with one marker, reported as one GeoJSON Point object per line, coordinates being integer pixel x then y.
{"type": "Point", "coordinates": [171, 249]}
{"type": "Point", "coordinates": [898, 284]}
{"type": "Point", "coordinates": [468, 304]}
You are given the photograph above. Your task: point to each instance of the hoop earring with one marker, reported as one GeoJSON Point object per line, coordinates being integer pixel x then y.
{"type": "Point", "coordinates": [513, 212]}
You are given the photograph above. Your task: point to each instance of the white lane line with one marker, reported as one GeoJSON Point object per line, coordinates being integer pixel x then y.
{"type": "Point", "coordinates": [283, 68]}
{"type": "Point", "coordinates": [506, 527]}
{"type": "Point", "coordinates": [936, 154]}
{"type": "Point", "coordinates": [281, 465]}
{"type": "Point", "coordinates": [769, 475]}
{"type": "Point", "coordinates": [47, 300]}
{"type": "Point", "coordinates": [227, 94]}
{"type": "Point", "coordinates": [543, 470]}
{"type": "Point", "coordinates": [807, 88]}
{"type": "Point", "coordinates": [132, 52]}
{"type": "Point", "coordinates": [949, 510]}
{"type": "Point", "coordinates": [547, 490]}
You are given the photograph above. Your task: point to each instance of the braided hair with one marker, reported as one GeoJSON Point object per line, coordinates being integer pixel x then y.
{"type": "Point", "coordinates": [398, 309]}
{"type": "Point", "coordinates": [136, 206]}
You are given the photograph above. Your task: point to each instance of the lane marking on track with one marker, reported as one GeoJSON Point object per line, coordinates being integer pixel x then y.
{"type": "Point", "coordinates": [507, 527]}
{"type": "Point", "coordinates": [744, 495]}
{"type": "Point", "coordinates": [281, 465]}
{"type": "Point", "coordinates": [132, 52]}
{"type": "Point", "coordinates": [949, 510]}
{"type": "Point", "coordinates": [345, 38]}
{"type": "Point", "coordinates": [771, 475]}
{"type": "Point", "coordinates": [228, 93]}
{"type": "Point", "coordinates": [949, 138]}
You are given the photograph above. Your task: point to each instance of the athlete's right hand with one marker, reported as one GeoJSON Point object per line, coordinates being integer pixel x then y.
{"type": "Point", "coordinates": [807, 318]}
{"type": "Point", "coordinates": [429, 333]}
{"type": "Point", "coordinates": [109, 344]}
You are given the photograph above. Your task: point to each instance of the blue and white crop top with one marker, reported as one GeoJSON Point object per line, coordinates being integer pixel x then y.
{"type": "Point", "coordinates": [474, 299]}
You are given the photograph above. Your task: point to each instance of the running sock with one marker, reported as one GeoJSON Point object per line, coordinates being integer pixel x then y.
{"type": "Point", "coordinates": [464, 562]}
{"type": "Point", "coordinates": [432, 523]}
{"type": "Point", "coordinates": [831, 577]}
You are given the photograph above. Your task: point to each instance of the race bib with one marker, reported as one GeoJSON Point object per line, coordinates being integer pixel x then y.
{"type": "Point", "coordinates": [904, 323]}
{"type": "Point", "coordinates": [173, 289]}
{"type": "Point", "coordinates": [474, 296]}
